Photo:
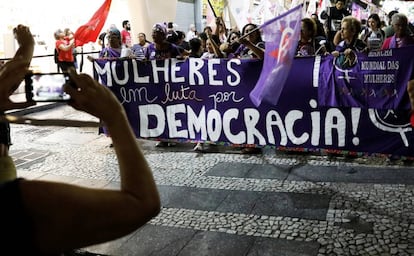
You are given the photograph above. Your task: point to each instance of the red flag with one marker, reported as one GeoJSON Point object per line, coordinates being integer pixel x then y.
{"type": "Point", "coordinates": [91, 30]}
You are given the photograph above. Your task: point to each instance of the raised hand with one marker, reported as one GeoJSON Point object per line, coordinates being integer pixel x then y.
{"type": "Point", "coordinates": [13, 72]}
{"type": "Point", "coordinates": [26, 43]}
{"type": "Point", "coordinates": [85, 89]}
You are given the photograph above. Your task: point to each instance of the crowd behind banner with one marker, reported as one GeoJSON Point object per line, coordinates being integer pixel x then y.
{"type": "Point", "coordinates": [354, 75]}
{"type": "Point", "coordinates": [208, 100]}
{"type": "Point", "coordinates": [321, 27]}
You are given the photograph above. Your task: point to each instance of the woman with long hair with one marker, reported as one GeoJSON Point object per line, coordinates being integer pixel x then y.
{"type": "Point", "coordinates": [373, 36]}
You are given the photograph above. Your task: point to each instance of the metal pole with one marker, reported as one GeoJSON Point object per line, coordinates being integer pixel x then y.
{"type": "Point", "coordinates": [212, 9]}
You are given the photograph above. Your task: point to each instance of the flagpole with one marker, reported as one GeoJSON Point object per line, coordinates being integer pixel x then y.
{"type": "Point", "coordinates": [250, 32]}
{"type": "Point", "coordinates": [246, 35]}
{"type": "Point", "coordinates": [81, 63]}
{"type": "Point", "coordinates": [212, 9]}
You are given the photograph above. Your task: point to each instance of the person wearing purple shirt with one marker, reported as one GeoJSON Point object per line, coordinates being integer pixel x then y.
{"type": "Point", "coordinates": [160, 48]}
{"type": "Point", "coordinates": [114, 49]}
{"type": "Point", "coordinates": [138, 50]}
{"type": "Point", "coordinates": [401, 37]}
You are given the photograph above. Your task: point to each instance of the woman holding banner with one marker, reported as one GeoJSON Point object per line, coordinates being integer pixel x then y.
{"type": "Point", "coordinates": [161, 49]}
{"type": "Point", "coordinates": [252, 47]}
{"type": "Point", "coordinates": [213, 51]}
{"type": "Point", "coordinates": [113, 51]}
{"type": "Point", "coordinates": [344, 51]}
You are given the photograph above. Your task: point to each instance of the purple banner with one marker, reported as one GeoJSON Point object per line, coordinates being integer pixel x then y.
{"type": "Point", "coordinates": [374, 81]}
{"type": "Point", "coordinates": [208, 100]}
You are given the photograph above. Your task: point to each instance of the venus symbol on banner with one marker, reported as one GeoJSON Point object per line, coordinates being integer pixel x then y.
{"type": "Point", "coordinates": [389, 121]}
{"type": "Point", "coordinates": [346, 72]}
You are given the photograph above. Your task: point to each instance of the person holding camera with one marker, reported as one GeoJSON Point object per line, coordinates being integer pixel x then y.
{"type": "Point", "coordinates": [48, 218]}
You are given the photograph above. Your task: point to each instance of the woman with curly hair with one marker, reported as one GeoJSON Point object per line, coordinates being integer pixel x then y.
{"type": "Point", "coordinates": [345, 50]}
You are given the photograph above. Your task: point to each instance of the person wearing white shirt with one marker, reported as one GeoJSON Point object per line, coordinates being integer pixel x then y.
{"type": "Point", "coordinates": [192, 32]}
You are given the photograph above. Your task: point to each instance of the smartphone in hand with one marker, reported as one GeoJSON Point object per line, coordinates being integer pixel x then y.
{"type": "Point", "coordinates": [46, 87]}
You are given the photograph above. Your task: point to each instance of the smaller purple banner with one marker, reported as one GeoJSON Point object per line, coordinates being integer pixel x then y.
{"type": "Point", "coordinates": [377, 81]}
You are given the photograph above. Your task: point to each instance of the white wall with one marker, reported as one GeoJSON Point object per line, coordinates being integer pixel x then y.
{"type": "Point", "coordinates": [145, 13]}
{"type": "Point", "coordinates": [185, 15]}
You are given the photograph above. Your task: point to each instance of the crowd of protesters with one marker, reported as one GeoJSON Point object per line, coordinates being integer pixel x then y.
{"type": "Point", "coordinates": [337, 33]}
